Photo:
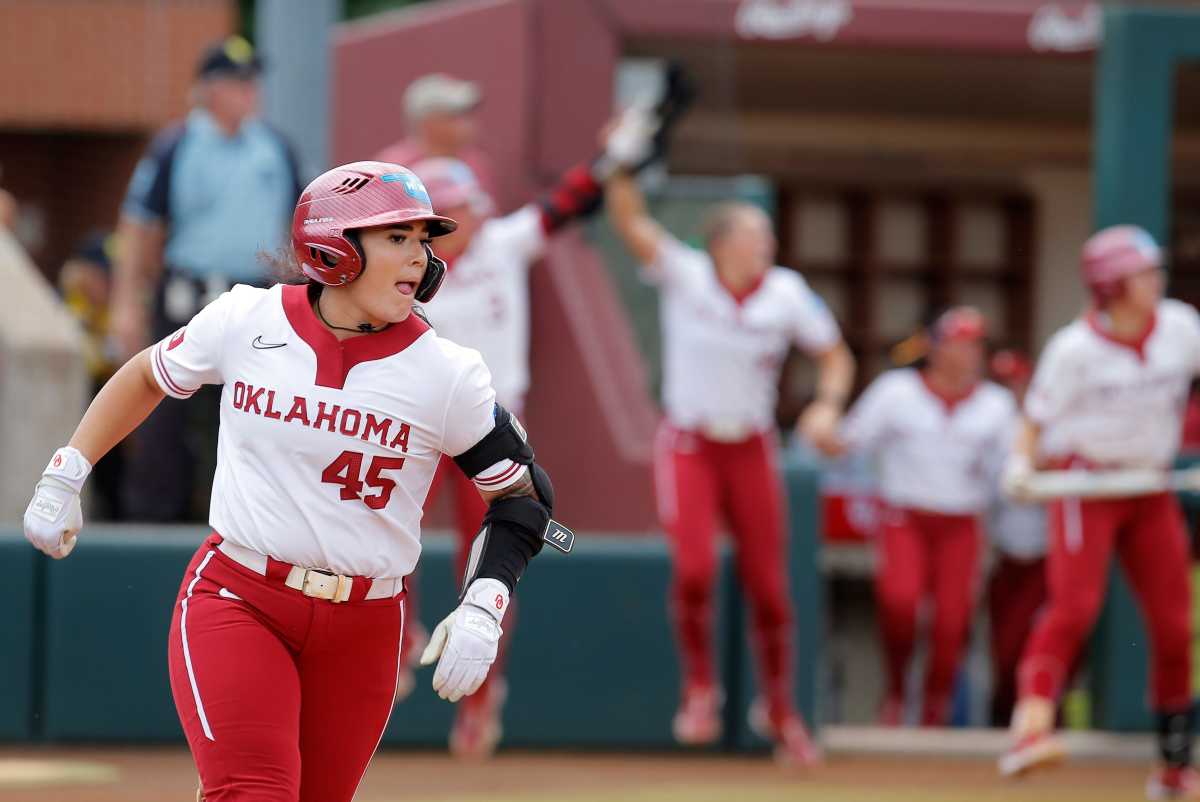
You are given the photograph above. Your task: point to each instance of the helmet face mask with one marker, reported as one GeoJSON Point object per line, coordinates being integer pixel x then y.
{"type": "Point", "coordinates": [355, 196]}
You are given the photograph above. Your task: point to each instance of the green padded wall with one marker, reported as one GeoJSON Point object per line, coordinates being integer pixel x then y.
{"type": "Point", "coordinates": [1133, 98]}
{"type": "Point", "coordinates": [593, 661]}
{"type": "Point", "coordinates": [22, 568]}
{"type": "Point", "coordinates": [108, 609]}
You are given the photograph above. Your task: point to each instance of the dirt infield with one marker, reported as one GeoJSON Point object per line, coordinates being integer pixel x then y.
{"type": "Point", "coordinates": [166, 774]}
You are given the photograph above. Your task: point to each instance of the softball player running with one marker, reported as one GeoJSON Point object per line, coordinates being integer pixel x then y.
{"type": "Point", "coordinates": [728, 317]}
{"type": "Point", "coordinates": [934, 433]}
{"type": "Point", "coordinates": [484, 304]}
{"type": "Point", "coordinates": [338, 402]}
{"type": "Point", "coordinates": [1109, 392]}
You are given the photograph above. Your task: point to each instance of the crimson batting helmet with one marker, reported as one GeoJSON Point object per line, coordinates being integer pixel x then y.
{"type": "Point", "coordinates": [1114, 253]}
{"type": "Point", "coordinates": [355, 196]}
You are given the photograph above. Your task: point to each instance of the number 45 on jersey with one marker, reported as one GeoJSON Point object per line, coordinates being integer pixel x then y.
{"type": "Point", "coordinates": [346, 471]}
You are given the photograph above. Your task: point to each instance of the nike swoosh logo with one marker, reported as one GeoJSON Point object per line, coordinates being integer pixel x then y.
{"type": "Point", "coordinates": [260, 345]}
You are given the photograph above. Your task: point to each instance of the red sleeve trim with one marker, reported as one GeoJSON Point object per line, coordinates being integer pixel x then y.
{"type": "Point", "coordinates": [505, 476]}
{"type": "Point", "coordinates": [162, 369]}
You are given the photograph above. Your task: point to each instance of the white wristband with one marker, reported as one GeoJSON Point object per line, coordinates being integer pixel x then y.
{"type": "Point", "coordinates": [69, 467]}
{"type": "Point", "coordinates": [488, 594]}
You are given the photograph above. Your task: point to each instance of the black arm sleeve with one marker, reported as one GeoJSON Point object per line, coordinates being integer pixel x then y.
{"type": "Point", "coordinates": [511, 536]}
{"type": "Point", "coordinates": [515, 527]}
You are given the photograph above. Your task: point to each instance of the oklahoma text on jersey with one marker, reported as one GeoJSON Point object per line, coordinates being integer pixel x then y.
{"type": "Point", "coordinates": [331, 417]}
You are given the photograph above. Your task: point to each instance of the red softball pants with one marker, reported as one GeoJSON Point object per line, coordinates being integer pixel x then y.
{"type": "Point", "coordinates": [283, 697]}
{"type": "Point", "coordinates": [1016, 591]}
{"type": "Point", "coordinates": [696, 479]}
{"type": "Point", "coordinates": [1148, 535]}
{"type": "Point", "coordinates": [920, 554]}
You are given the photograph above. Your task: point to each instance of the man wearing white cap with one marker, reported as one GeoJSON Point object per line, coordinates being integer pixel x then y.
{"type": "Point", "coordinates": [440, 113]}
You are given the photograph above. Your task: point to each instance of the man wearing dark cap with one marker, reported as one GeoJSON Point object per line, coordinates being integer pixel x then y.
{"type": "Point", "coordinates": [211, 193]}
{"type": "Point", "coordinates": [439, 110]}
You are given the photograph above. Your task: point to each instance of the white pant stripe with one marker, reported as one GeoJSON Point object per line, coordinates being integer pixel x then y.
{"type": "Point", "coordinates": [1072, 524]}
{"type": "Point", "coordinates": [395, 679]}
{"type": "Point", "coordinates": [187, 653]}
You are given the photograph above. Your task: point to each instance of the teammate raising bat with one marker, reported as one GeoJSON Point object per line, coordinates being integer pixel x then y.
{"type": "Point", "coordinates": [1109, 393]}
{"type": "Point", "coordinates": [338, 404]}
{"type": "Point", "coordinates": [728, 318]}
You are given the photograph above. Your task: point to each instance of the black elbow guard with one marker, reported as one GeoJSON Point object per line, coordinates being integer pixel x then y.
{"type": "Point", "coordinates": [514, 530]}
{"type": "Point", "coordinates": [515, 527]}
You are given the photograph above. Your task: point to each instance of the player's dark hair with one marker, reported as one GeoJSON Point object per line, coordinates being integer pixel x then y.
{"type": "Point", "coordinates": [281, 264]}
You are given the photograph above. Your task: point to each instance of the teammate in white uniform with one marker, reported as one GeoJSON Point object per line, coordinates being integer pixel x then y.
{"type": "Point", "coordinates": [934, 433]}
{"type": "Point", "coordinates": [484, 304]}
{"type": "Point", "coordinates": [337, 405]}
{"type": "Point", "coordinates": [728, 317]}
{"type": "Point", "coordinates": [1109, 392]}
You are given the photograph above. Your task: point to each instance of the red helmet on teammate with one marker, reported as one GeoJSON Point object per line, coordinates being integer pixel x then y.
{"type": "Point", "coordinates": [354, 196]}
{"type": "Point", "coordinates": [1114, 253]}
{"type": "Point", "coordinates": [452, 183]}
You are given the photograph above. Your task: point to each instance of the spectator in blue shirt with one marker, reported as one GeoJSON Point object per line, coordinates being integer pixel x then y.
{"type": "Point", "coordinates": [210, 194]}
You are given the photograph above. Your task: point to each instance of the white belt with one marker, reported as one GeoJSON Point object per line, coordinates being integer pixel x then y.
{"type": "Point", "coordinates": [312, 582]}
{"type": "Point", "coordinates": [726, 431]}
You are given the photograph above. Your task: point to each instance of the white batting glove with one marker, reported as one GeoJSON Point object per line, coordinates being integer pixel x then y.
{"type": "Point", "coordinates": [1015, 480]}
{"type": "Point", "coordinates": [54, 517]}
{"type": "Point", "coordinates": [466, 640]}
{"type": "Point", "coordinates": [631, 141]}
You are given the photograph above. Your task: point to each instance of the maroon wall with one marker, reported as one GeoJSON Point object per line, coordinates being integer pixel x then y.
{"type": "Point", "coordinates": [488, 42]}
{"type": "Point", "coordinates": [546, 68]}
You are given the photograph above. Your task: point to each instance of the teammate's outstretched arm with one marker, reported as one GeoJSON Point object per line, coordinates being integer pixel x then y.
{"type": "Point", "coordinates": [630, 219]}
{"type": "Point", "coordinates": [54, 517]}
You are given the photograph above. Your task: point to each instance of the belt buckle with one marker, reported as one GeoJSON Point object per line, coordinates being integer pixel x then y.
{"type": "Point", "coordinates": [322, 593]}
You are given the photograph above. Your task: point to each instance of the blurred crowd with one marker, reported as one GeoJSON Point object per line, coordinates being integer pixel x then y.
{"type": "Point", "coordinates": [192, 224]}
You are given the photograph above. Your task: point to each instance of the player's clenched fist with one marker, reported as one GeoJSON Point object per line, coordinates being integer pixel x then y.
{"type": "Point", "coordinates": [54, 517]}
{"type": "Point", "coordinates": [465, 641]}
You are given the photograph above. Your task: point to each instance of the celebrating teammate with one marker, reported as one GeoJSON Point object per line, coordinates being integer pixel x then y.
{"type": "Point", "coordinates": [934, 433]}
{"type": "Point", "coordinates": [484, 304]}
{"type": "Point", "coordinates": [338, 403]}
{"type": "Point", "coordinates": [1109, 393]}
{"type": "Point", "coordinates": [728, 317]}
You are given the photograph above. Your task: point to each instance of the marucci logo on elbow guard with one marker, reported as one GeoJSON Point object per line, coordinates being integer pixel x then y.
{"type": "Point", "coordinates": [559, 536]}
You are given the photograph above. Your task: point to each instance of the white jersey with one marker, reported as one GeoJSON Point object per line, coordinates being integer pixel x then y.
{"type": "Point", "coordinates": [484, 300]}
{"type": "Point", "coordinates": [1111, 403]}
{"type": "Point", "coordinates": [722, 356]}
{"type": "Point", "coordinates": [931, 453]}
{"type": "Point", "coordinates": [326, 449]}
